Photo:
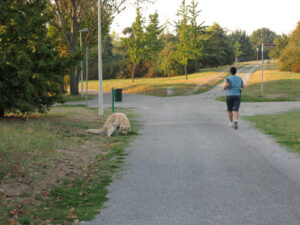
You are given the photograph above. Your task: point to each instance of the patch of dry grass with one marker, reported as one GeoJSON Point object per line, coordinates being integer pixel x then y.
{"type": "Point", "coordinates": [40, 154]}
{"type": "Point", "coordinates": [158, 86]}
{"type": "Point", "coordinates": [278, 85]}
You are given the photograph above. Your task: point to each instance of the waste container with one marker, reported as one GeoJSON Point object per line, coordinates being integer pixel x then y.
{"type": "Point", "coordinates": [118, 95]}
{"type": "Point", "coordinates": [170, 91]}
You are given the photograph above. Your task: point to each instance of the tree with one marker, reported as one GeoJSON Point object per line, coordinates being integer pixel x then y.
{"type": "Point", "coordinates": [30, 65]}
{"type": "Point", "coordinates": [196, 31]}
{"type": "Point", "coordinates": [184, 47]}
{"type": "Point", "coordinates": [262, 35]}
{"type": "Point", "coordinates": [290, 57]}
{"type": "Point", "coordinates": [72, 15]}
{"type": "Point", "coordinates": [237, 50]}
{"type": "Point", "coordinates": [281, 41]}
{"type": "Point", "coordinates": [218, 49]}
{"type": "Point", "coordinates": [247, 50]}
{"type": "Point", "coordinates": [153, 44]}
{"type": "Point", "coordinates": [167, 50]}
{"type": "Point", "coordinates": [136, 43]}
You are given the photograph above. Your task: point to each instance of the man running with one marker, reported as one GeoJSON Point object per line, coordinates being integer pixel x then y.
{"type": "Point", "coordinates": [233, 96]}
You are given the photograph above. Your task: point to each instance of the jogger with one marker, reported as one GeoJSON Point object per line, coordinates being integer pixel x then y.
{"type": "Point", "coordinates": [233, 85]}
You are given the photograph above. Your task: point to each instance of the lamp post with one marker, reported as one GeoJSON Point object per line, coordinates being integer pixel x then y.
{"type": "Point", "coordinates": [100, 97]}
{"type": "Point", "coordinates": [262, 70]}
{"type": "Point", "coordinates": [257, 50]}
{"type": "Point", "coordinates": [81, 63]}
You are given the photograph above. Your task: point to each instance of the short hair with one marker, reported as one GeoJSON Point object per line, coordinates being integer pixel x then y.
{"type": "Point", "coordinates": [233, 70]}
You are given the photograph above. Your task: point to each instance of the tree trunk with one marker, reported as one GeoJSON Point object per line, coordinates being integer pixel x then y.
{"type": "Point", "coordinates": [185, 72]}
{"type": "Point", "coordinates": [133, 70]}
{"type": "Point", "coordinates": [72, 46]}
{"type": "Point", "coordinates": [1, 112]}
{"type": "Point", "coordinates": [62, 85]}
{"type": "Point", "coordinates": [73, 82]}
{"type": "Point", "coordinates": [196, 65]}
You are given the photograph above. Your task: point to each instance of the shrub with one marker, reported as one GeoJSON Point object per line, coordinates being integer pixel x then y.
{"type": "Point", "coordinates": [30, 65]}
{"type": "Point", "coordinates": [290, 59]}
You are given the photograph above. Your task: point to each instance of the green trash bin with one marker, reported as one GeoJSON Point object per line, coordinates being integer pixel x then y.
{"type": "Point", "coordinates": [118, 95]}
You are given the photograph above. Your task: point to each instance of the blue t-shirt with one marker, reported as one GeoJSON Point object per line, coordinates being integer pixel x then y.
{"type": "Point", "coordinates": [235, 85]}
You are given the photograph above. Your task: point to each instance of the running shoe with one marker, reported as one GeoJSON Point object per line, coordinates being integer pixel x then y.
{"type": "Point", "coordinates": [230, 124]}
{"type": "Point", "coordinates": [235, 124]}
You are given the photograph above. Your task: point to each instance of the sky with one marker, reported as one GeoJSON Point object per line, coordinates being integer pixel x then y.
{"type": "Point", "coordinates": [281, 16]}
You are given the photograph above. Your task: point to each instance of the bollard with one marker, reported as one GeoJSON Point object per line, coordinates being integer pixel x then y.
{"type": "Point", "coordinates": [170, 91]}
{"type": "Point", "coordinates": [112, 100]}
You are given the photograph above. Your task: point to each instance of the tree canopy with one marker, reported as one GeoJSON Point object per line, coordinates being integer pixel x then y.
{"type": "Point", "coordinates": [30, 65]}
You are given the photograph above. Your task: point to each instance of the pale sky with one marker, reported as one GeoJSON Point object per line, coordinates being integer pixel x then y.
{"type": "Point", "coordinates": [281, 16]}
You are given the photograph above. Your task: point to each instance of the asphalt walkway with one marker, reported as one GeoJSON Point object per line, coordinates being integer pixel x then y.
{"type": "Point", "coordinates": [188, 168]}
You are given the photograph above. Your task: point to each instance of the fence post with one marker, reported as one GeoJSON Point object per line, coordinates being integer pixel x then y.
{"type": "Point", "coordinates": [112, 100]}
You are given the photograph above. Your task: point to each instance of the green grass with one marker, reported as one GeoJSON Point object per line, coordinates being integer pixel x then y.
{"type": "Point", "coordinates": [285, 127]}
{"type": "Point", "coordinates": [58, 170]}
{"type": "Point", "coordinates": [196, 83]}
{"type": "Point", "coordinates": [278, 86]}
{"type": "Point", "coordinates": [76, 98]}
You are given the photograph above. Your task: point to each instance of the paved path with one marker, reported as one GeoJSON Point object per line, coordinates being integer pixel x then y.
{"type": "Point", "coordinates": [188, 168]}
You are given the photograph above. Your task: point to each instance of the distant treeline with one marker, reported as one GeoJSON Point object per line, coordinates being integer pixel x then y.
{"type": "Point", "coordinates": [150, 50]}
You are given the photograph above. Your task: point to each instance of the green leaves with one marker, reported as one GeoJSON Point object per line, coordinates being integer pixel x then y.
{"type": "Point", "coordinates": [30, 64]}
{"type": "Point", "coordinates": [290, 56]}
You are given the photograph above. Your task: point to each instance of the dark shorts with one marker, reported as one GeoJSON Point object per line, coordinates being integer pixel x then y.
{"type": "Point", "coordinates": [233, 103]}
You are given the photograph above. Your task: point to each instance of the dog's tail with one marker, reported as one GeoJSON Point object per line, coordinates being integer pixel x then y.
{"type": "Point", "coordinates": [95, 131]}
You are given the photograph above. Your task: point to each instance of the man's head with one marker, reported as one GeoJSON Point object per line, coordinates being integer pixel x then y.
{"type": "Point", "coordinates": [233, 70]}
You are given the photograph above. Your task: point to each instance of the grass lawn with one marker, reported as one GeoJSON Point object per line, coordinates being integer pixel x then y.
{"type": "Point", "coordinates": [285, 127]}
{"type": "Point", "coordinates": [196, 83]}
{"type": "Point", "coordinates": [278, 85]}
{"type": "Point", "coordinates": [52, 171]}
{"type": "Point", "coordinates": [76, 98]}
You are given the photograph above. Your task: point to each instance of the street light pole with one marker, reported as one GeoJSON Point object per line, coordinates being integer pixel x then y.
{"type": "Point", "coordinates": [262, 70]}
{"type": "Point", "coordinates": [100, 97]}
{"type": "Point", "coordinates": [81, 63]}
{"type": "Point", "coordinates": [86, 74]}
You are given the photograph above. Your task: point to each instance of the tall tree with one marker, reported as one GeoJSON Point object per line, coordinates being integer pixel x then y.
{"type": "Point", "coordinates": [246, 47]}
{"type": "Point", "coordinates": [184, 47]}
{"type": "Point", "coordinates": [154, 43]}
{"type": "Point", "coordinates": [73, 15]}
{"type": "Point", "coordinates": [195, 36]}
{"type": "Point", "coordinates": [30, 65]}
{"type": "Point", "coordinates": [290, 57]}
{"type": "Point", "coordinates": [218, 49]}
{"type": "Point", "coordinates": [135, 43]}
{"type": "Point", "coordinates": [281, 41]}
{"type": "Point", "coordinates": [262, 35]}
{"type": "Point", "coordinates": [167, 37]}
{"type": "Point", "coordinates": [237, 51]}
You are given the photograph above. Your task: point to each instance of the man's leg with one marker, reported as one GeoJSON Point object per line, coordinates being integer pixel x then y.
{"type": "Point", "coordinates": [230, 115]}
{"type": "Point", "coordinates": [236, 115]}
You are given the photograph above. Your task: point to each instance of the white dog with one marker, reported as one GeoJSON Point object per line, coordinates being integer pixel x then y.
{"type": "Point", "coordinates": [114, 123]}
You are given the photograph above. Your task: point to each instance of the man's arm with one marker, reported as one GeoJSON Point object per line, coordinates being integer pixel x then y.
{"type": "Point", "coordinates": [226, 85]}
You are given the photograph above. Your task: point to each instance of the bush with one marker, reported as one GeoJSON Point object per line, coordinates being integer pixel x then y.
{"type": "Point", "coordinates": [290, 59]}
{"type": "Point", "coordinates": [30, 66]}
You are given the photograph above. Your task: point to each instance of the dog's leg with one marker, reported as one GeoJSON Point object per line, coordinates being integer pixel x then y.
{"type": "Point", "coordinates": [110, 131]}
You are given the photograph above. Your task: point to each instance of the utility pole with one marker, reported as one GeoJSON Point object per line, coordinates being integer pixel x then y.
{"type": "Point", "coordinates": [262, 70]}
{"type": "Point", "coordinates": [86, 75]}
{"type": "Point", "coordinates": [81, 63]}
{"type": "Point", "coordinates": [100, 94]}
